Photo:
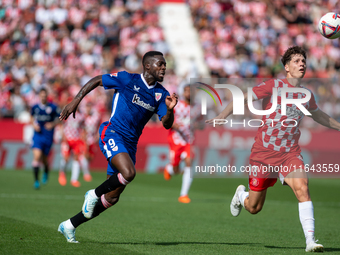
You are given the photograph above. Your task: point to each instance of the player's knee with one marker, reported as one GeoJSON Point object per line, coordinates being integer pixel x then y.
{"type": "Point", "coordinates": [302, 192]}
{"type": "Point", "coordinates": [129, 174]}
{"type": "Point", "coordinates": [255, 209]}
{"type": "Point", "coordinates": [112, 200]}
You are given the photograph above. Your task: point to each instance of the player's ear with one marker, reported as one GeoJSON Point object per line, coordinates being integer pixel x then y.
{"type": "Point", "coordinates": [287, 67]}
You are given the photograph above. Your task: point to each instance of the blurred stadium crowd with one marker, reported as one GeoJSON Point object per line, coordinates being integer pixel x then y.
{"type": "Point", "coordinates": [61, 44]}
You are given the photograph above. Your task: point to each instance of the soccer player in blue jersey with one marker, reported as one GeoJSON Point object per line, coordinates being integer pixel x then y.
{"type": "Point", "coordinates": [44, 117]}
{"type": "Point", "coordinates": [137, 97]}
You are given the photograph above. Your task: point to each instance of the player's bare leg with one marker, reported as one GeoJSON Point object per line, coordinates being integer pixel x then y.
{"type": "Point", "coordinates": [37, 154]}
{"type": "Point", "coordinates": [252, 201]}
{"type": "Point", "coordinates": [298, 182]}
{"type": "Point", "coordinates": [44, 159]}
{"type": "Point", "coordinates": [186, 182]}
{"type": "Point", "coordinates": [170, 170]}
{"type": "Point", "coordinates": [75, 171]}
{"type": "Point", "coordinates": [103, 197]}
{"type": "Point", "coordinates": [63, 163]}
{"type": "Point", "coordinates": [84, 161]}
{"type": "Point", "coordinates": [255, 201]}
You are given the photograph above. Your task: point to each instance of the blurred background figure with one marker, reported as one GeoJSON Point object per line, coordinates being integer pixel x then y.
{"type": "Point", "coordinates": [92, 122]}
{"type": "Point", "coordinates": [44, 118]}
{"type": "Point", "coordinates": [73, 143]}
{"type": "Point", "coordinates": [179, 140]}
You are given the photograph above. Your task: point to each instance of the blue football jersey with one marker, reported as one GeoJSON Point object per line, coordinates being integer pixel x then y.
{"type": "Point", "coordinates": [134, 103]}
{"type": "Point", "coordinates": [43, 114]}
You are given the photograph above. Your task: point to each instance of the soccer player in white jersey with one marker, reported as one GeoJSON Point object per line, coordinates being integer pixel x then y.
{"type": "Point", "coordinates": [277, 145]}
{"type": "Point", "coordinates": [179, 141]}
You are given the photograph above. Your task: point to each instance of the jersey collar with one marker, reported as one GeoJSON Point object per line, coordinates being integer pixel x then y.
{"type": "Point", "coordinates": [146, 84]}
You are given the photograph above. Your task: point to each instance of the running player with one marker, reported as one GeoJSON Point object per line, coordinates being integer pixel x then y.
{"type": "Point", "coordinates": [44, 117]}
{"type": "Point", "coordinates": [179, 141]}
{"type": "Point", "coordinates": [277, 145]}
{"type": "Point", "coordinates": [73, 133]}
{"type": "Point", "coordinates": [92, 122]}
{"type": "Point", "coordinates": [137, 97]}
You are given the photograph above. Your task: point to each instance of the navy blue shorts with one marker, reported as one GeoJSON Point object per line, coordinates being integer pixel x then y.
{"type": "Point", "coordinates": [44, 146]}
{"type": "Point", "coordinates": [111, 144]}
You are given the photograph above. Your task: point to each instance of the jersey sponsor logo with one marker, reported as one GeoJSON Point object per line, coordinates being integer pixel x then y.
{"type": "Point", "coordinates": [136, 88]}
{"type": "Point", "coordinates": [114, 74]}
{"type": "Point", "coordinates": [136, 100]}
{"type": "Point", "coordinates": [158, 96]}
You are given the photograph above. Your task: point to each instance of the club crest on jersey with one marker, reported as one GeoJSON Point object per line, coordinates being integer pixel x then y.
{"type": "Point", "coordinates": [48, 109]}
{"type": "Point", "coordinates": [255, 182]}
{"type": "Point", "coordinates": [158, 96]}
{"type": "Point", "coordinates": [114, 74]}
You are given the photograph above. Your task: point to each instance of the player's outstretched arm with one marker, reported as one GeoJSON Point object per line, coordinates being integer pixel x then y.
{"type": "Point", "coordinates": [325, 120]}
{"type": "Point", "coordinates": [170, 102]}
{"type": "Point", "coordinates": [219, 119]}
{"type": "Point", "coordinates": [72, 107]}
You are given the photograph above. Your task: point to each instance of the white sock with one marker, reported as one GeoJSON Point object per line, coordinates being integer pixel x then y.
{"type": "Point", "coordinates": [85, 165]}
{"type": "Point", "coordinates": [306, 213]}
{"type": "Point", "coordinates": [75, 170]}
{"type": "Point", "coordinates": [93, 194]}
{"type": "Point", "coordinates": [242, 195]}
{"type": "Point", "coordinates": [186, 181]}
{"type": "Point", "coordinates": [169, 169]}
{"type": "Point", "coordinates": [62, 165]}
{"type": "Point", "coordinates": [68, 224]}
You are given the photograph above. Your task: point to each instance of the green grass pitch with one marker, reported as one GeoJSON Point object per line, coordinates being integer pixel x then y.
{"type": "Point", "coordinates": [149, 220]}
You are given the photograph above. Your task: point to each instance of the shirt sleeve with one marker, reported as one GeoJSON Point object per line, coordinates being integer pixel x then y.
{"type": "Point", "coordinates": [312, 104]}
{"type": "Point", "coordinates": [263, 90]}
{"type": "Point", "coordinates": [115, 80]}
{"type": "Point", "coordinates": [162, 109]}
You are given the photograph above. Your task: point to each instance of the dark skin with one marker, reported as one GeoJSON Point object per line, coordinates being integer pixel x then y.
{"type": "Point", "coordinates": [153, 71]}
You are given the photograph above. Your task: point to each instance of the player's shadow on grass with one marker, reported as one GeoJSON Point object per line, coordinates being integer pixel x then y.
{"type": "Point", "coordinates": [176, 243]}
{"type": "Point", "coordinates": [298, 248]}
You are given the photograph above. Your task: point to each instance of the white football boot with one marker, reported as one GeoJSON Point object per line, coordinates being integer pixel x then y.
{"type": "Point", "coordinates": [235, 205]}
{"type": "Point", "coordinates": [314, 247]}
{"type": "Point", "coordinates": [68, 233]}
{"type": "Point", "coordinates": [89, 205]}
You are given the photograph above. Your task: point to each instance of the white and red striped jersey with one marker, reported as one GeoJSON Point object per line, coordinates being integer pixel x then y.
{"type": "Point", "coordinates": [91, 126]}
{"type": "Point", "coordinates": [183, 135]}
{"type": "Point", "coordinates": [274, 134]}
{"type": "Point", "coordinates": [73, 128]}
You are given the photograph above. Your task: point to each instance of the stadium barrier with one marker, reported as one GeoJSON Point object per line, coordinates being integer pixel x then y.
{"type": "Point", "coordinates": [214, 146]}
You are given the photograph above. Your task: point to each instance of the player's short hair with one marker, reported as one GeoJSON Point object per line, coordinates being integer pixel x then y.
{"type": "Point", "coordinates": [290, 52]}
{"type": "Point", "coordinates": [43, 90]}
{"type": "Point", "coordinates": [150, 54]}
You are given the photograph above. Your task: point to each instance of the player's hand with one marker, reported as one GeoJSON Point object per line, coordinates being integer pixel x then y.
{"type": "Point", "coordinates": [171, 101]}
{"type": "Point", "coordinates": [218, 120]}
{"type": "Point", "coordinates": [68, 109]}
{"type": "Point", "coordinates": [49, 125]}
{"type": "Point", "coordinates": [36, 127]}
